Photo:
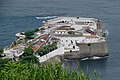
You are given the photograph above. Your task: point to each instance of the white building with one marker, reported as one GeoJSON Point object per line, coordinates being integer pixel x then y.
{"type": "Point", "coordinates": [91, 39]}
{"type": "Point", "coordinates": [64, 29]}
{"type": "Point", "coordinates": [70, 43]}
{"type": "Point", "coordinates": [20, 35]}
{"type": "Point", "coordinates": [75, 22]}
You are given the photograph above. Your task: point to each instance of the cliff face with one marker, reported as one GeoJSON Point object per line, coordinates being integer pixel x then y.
{"type": "Point", "coordinates": [89, 50]}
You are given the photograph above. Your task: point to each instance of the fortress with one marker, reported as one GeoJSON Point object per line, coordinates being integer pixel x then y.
{"type": "Point", "coordinates": [80, 37]}
{"type": "Point", "coordinates": [74, 38]}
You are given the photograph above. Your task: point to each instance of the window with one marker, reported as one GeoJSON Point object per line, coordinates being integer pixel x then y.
{"type": "Point", "coordinates": [70, 51]}
{"type": "Point", "coordinates": [88, 44]}
{"type": "Point", "coordinates": [71, 42]}
{"type": "Point", "coordinates": [73, 47]}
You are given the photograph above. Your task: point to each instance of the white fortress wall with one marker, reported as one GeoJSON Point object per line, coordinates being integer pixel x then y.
{"type": "Point", "coordinates": [59, 51]}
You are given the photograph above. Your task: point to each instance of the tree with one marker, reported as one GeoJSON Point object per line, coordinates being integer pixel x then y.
{"type": "Point", "coordinates": [46, 49]}
{"type": "Point", "coordinates": [71, 32]}
{"type": "Point", "coordinates": [28, 56]}
{"type": "Point", "coordinates": [36, 30]}
{"type": "Point", "coordinates": [42, 28]}
{"type": "Point", "coordinates": [42, 51]}
{"type": "Point", "coordinates": [1, 50]}
{"type": "Point", "coordinates": [3, 62]}
{"type": "Point", "coordinates": [28, 51]}
{"type": "Point", "coordinates": [29, 34]}
{"type": "Point", "coordinates": [29, 59]}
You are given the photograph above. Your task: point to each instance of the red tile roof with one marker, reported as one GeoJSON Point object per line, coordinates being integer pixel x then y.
{"type": "Point", "coordinates": [35, 48]}
{"type": "Point", "coordinates": [89, 31]}
{"type": "Point", "coordinates": [39, 42]}
{"type": "Point", "coordinates": [92, 36]}
{"type": "Point", "coordinates": [44, 37]}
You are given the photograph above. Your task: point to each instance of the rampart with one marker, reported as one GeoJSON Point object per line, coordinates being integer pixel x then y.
{"type": "Point", "coordinates": [88, 50]}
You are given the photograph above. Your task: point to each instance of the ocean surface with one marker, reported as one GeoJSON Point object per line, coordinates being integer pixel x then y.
{"type": "Point", "coordinates": [20, 15]}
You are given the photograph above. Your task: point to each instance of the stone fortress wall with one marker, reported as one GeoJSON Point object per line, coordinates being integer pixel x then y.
{"type": "Point", "coordinates": [88, 50]}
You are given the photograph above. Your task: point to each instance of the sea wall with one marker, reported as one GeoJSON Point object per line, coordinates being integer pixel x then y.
{"type": "Point", "coordinates": [88, 50]}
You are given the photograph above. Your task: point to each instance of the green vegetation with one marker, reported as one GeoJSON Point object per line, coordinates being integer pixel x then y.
{"type": "Point", "coordinates": [24, 71]}
{"type": "Point", "coordinates": [28, 51]}
{"type": "Point", "coordinates": [71, 32]}
{"type": "Point", "coordinates": [29, 34]}
{"type": "Point", "coordinates": [19, 42]}
{"type": "Point", "coordinates": [1, 50]}
{"type": "Point", "coordinates": [29, 59]}
{"type": "Point", "coordinates": [3, 62]}
{"type": "Point", "coordinates": [13, 43]}
{"type": "Point", "coordinates": [36, 30]}
{"type": "Point", "coordinates": [42, 28]}
{"type": "Point", "coordinates": [28, 56]}
{"type": "Point", "coordinates": [46, 49]}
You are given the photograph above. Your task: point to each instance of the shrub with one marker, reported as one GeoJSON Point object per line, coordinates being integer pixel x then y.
{"type": "Point", "coordinates": [1, 50]}
{"type": "Point", "coordinates": [29, 34]}
{"type": "Point", "coordinates": [71, 32]}
{"type": "Point", "coordinates": [3, 62]}
{"type": "Point", "coordinates": [19, 71]}
{"type": "Point", "coordinates": [36, 30]}
{"type": "Point", "coordinates": [28, 51]}
{"type": "Point", "coordinates": [46, 49]}
{"type": "Point", "coordinates": [42, 28]}
{"type": "Point", "coordinates": [29, 59]}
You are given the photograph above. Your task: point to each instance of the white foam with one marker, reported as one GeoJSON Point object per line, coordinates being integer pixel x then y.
{"type": "Point", "coordinates": [107, 32]}
{"type": "Point", "coordinates": [85, 59]}
{"type": "Point", "coordinates": [47, 17]}
{"type": "Point", "coordinates": [94, 58]}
